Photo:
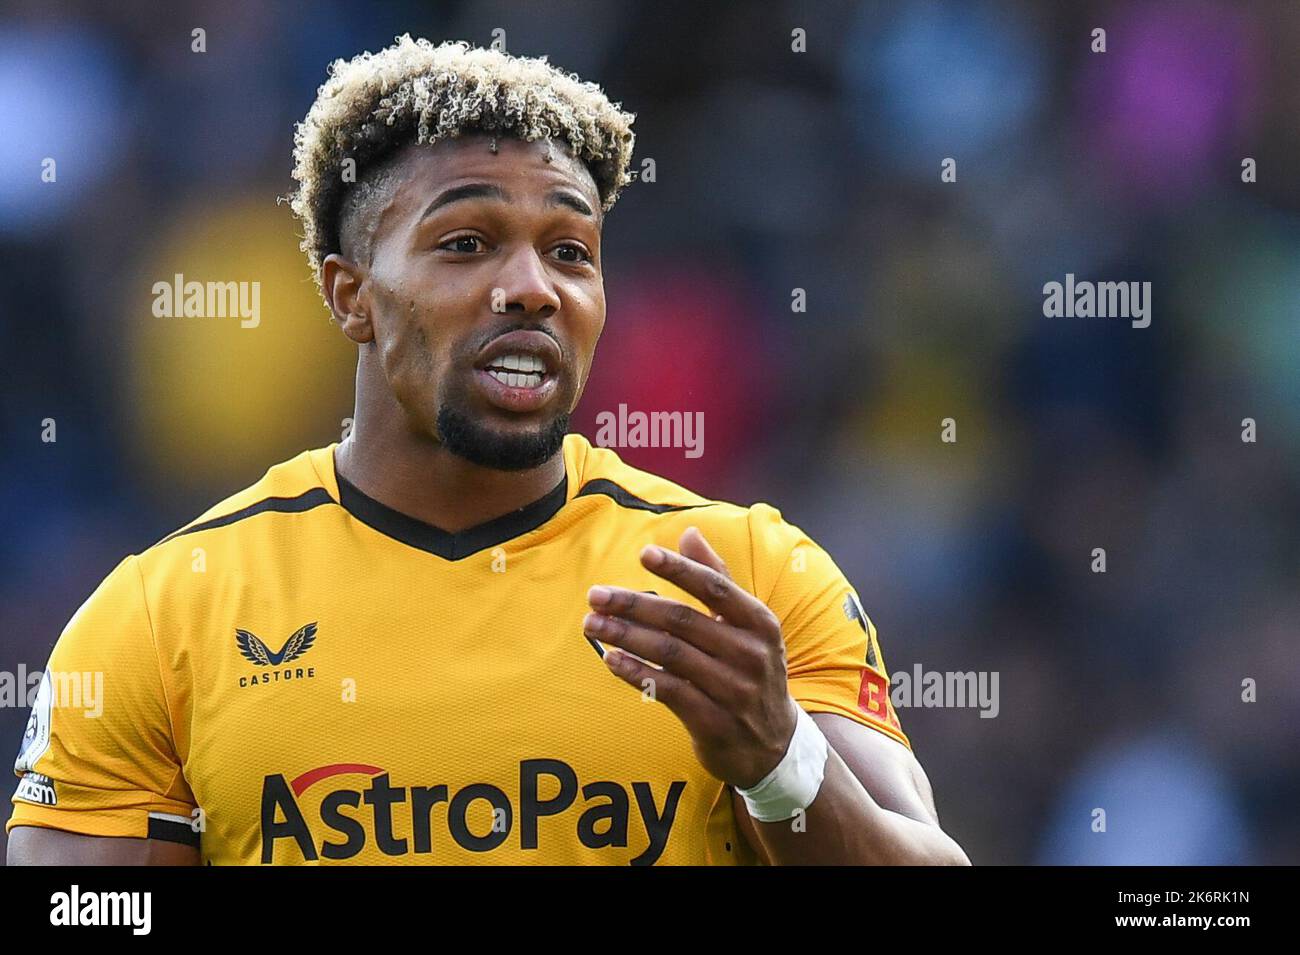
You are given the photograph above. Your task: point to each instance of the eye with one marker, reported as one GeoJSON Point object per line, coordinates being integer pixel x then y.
{"type": "Point", "coordinates": [465, 244]}
{"type": "Point", "coordinates": [572, 253]}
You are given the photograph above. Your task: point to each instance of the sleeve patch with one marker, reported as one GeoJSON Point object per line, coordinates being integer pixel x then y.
{"type": "Point", "coordinates": [34, 787]}
{"type": "Point", "coordinates": [853, 610]}
{"type": "Point", "coordinates": [36, 739]}
{"type": "Point", "coordinates": [873, 699]}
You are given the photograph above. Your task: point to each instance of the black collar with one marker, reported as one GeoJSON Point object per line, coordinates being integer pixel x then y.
{"type": "Point", "coordinates": [417, 533]}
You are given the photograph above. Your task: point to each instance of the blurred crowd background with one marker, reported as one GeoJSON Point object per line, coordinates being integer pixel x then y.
{"type": "Point", "coordinates": [774, 170]}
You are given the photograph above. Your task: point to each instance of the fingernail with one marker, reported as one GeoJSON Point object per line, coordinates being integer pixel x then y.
{"type": "Point", "coordinates": [593, 623]}
{"type": "Point", "coordinates": [614, 660]}
{"type": "Point", "coordinates": [599, 595]}
{"type": "Point", "coordinates": [652, 555]}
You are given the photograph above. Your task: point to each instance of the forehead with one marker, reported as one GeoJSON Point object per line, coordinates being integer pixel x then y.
{"type": "Point", "coordinates": [519, 168]}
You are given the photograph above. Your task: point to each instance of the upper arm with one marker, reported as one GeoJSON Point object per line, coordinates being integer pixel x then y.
{"type": "Point", "coordinates": [887, 769]}
{"type": "Point", "coordinates": [34, 845]}
{"type": "Point", "coordinates": [98, 757]}
{"type": "Point", "coordinates": [835, 668]}
{"type": "Point", "coordinates": [834, 660]}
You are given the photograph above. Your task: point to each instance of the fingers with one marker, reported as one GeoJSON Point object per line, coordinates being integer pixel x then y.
{"type": "Point", "coordinates": [695, 546]}
{"type": "Point", "coordinates": [688, 702]}
{"type": "Point", "coordinates": [674, 654]}
{"type": "Point", "coordinates": [661, 613]}
{"type": "Point", "coordinates": [712, 587]}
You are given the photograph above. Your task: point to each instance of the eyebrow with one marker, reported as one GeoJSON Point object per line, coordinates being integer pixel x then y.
{"type": "Point", "coordinates": [576, 203]}
{"type": "Point", "coordinates": [487, 190]}
{"type": "Point", "coordinates": [473, 190]}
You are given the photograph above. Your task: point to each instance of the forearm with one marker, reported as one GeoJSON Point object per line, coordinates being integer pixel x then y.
{"type": "Point", "coordinates": [845, 826]}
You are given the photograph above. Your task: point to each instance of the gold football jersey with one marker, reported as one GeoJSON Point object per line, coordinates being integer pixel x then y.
{"type": "Point", "coordinates": [305, 675]}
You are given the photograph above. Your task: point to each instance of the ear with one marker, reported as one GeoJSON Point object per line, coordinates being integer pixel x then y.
{"type": "Point", "coordinates": [342, 281]}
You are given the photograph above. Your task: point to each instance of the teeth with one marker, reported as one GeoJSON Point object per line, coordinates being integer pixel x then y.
{"type": "Point", "coordinates": [526, 364]}
{"type": "Point", "coordinates": [515, 380]}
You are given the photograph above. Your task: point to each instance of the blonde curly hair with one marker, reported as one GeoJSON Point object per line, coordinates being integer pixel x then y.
{"type": "Point", "coordinates": [414, 92]}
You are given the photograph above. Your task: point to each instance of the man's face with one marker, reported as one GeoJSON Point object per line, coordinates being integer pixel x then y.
{"type": "Point", "coordinates": [486, 296]}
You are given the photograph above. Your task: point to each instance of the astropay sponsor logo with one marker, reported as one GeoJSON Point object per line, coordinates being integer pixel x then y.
{"type": "Point", "coordinates": [75, 907]}
{"type": "Point", "coordinates": [430, 817]}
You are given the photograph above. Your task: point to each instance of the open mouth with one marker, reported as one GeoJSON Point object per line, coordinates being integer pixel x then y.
{"type": "Point", "coordinates": [518, 370]}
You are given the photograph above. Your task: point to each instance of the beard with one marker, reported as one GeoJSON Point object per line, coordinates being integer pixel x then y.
{"type": "Point", "coordinates": [468, 438]}
{"type": "Point", "coordinates": [466, 435]}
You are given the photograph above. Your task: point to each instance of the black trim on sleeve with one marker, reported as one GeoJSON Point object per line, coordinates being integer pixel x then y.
{"type": "Point", "coordinates": [625, 498]}
{"type": "Point", "coordinates": [172, 830]}
{"type": "Point", "coordinates": [285, 505]}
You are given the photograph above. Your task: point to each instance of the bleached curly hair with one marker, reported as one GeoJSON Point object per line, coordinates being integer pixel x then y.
{"type": "Point", "coordinates": [414, 92]}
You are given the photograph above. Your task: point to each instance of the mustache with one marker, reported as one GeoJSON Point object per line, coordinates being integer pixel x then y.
{"type": "Point", "coordinates": [517, 326]}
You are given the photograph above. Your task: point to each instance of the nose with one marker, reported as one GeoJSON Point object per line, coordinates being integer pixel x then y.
{"type": "Point", "coordinates": [525, 285]}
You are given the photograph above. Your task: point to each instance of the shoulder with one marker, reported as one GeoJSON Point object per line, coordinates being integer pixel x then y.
{"type": "Point", "coordinates": [602, 472]}
{"type": "Point", "coordinates": [291, 486]}
{"type": "Point", "coordinates": [753, 537]}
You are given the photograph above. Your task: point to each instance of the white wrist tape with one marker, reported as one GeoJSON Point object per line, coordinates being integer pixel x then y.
{"type": "Point", "coordinates": [793, 784]}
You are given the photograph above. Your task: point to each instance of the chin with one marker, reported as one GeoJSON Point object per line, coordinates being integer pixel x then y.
{"type": "Point", "coordinates": [485, 442]}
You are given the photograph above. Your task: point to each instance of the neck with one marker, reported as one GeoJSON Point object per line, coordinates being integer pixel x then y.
{"type": "Point", "coordinates": [416, 475]}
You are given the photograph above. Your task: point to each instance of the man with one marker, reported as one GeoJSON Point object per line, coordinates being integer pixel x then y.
{"type": "Point", "coordinates": [391, 650]}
